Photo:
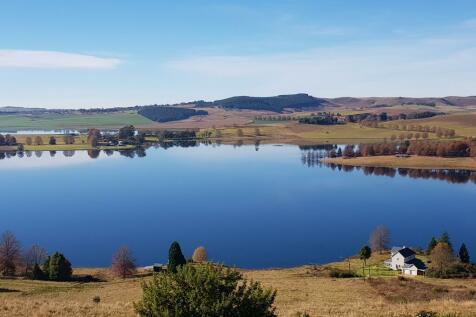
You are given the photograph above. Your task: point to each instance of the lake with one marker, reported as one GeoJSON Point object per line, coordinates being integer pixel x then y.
{"type": "Point", "coordinates": [250, 206]}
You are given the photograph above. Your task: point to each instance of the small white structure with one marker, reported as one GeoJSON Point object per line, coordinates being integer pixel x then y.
{"type": "Point", "coordinates": [404, 259]}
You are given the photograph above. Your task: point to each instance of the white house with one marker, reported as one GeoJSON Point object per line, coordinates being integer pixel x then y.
{"type": "Point", "coordinates": [403, 258]}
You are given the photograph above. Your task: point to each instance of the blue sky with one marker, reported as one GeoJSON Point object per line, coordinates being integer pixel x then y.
{"type": "Point", "coordinates": [89, 53]}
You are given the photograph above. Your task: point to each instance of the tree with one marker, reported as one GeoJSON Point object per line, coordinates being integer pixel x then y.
{"type": "Point", "coordinates": [28, 140]}
{"type": "Point", "coordinates": [38, 140]}
{"type": "Point", "coordinates": [35, 255]}
{"type": "Point", "coordinates": [463, 254]}
{"type": "Point", "coordinates": [127, 132]}
{"type": "Point", "coordinates": [441, 257]}
{"type": "Point", "coordinates": [10, 254]}
{"type": "Point", "coordinates": [176, 257]}
{"type": "Point", "coordinates": [37, 273]}
{"type": "Point", "coordinates": [205, 290]}
{"type": "Point", "coordinates": [257, 132]}
{"type": "Point", "coordinates": [52, 140]}
{"type": "Point", "coordinates": [380, 238]}
{"type": "Point", "coordinates": [445, 238]}
{"type": "Point", "coordinates": [239, 133]}
{"type": "Point", "coordinates": [68, 139]}
{"type": "Point", "coordinates": [57, 268]}
{"type": "Point", "coordinates": [365, 254]}
{"type": "Point", "coordinates": [431, 245]}
{"type": "Point", "coordinates": [200, 255]}
{"type": "Point", "coordinates": [123, 263]}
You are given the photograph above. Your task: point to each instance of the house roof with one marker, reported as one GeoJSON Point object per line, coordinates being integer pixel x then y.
{"type": "Point", "coordinates": [415, 262]}
{"type": "Point", "coordinates": [406, 252]}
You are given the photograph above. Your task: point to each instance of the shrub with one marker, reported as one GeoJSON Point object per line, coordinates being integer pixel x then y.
{"type": "Point", "coordinates": [336, 273]}
{"type": "Point", "coordinates": [425, 313]}
{"type": "Point", "coordinates": [204, 290]}
{"type": "Point", "coordinates": [200, 255]}
{"type": "Point", "coordinates": [96, 299]}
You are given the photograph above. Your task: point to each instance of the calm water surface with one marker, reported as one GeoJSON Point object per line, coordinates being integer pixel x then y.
{"type": "Point", "coordinates": [268, 208]}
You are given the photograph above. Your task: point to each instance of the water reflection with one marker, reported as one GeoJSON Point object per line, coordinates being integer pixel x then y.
{"type": "Point", "coordinates": [450, 176]}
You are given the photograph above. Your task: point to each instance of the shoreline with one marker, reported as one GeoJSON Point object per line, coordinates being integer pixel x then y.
{"type": "Point", "coordinates": [415, 162]}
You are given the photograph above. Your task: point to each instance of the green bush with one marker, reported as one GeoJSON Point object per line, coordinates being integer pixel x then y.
{"type": "Point", "coordinates": [57, 268]}
{"type": "Point", "coordinates": [204, 290]}
{"type": "Point", "coordinates": [336, 273]}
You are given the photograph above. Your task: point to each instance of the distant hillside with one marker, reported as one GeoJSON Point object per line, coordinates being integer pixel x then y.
{"type": "Point", "coordinates": [277, 103]}
{"type": "Point", "coordinates": [396, 101]}
{"type": "Point", "coordinates": [166, 114]}
{"type": "Point", "coordinates": [20, 110]}
{"type": "Point", "coordinates": [301, 101]}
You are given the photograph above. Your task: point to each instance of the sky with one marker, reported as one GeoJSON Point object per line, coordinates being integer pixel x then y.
{"type": "Point", "coordinates": [103, 53]}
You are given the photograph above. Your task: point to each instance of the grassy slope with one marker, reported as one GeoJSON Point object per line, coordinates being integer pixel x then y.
{"type": "Point", "coordinates": [73, 121]}
{"type": "Point", "coordinates": [307, 133]}
{"type": "Point", "coordinates": [463, 123]}
{"type": "Point", "coordinates": [410, 162]}
{"type": "Point", "coordinates": [299, 289]}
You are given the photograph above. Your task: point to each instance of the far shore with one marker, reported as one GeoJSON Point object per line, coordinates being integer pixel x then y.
{"type": "Point", "coordinates": [418, 162]}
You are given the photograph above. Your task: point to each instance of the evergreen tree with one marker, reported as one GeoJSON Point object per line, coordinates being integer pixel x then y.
{"type": "Point", "coordinates": [176, 257]}
{"type": "Point", "coordinates": [365, 253]}
{"type": "Point", "coordinates": [46, 268]}
{"type": "Point", "coordinates": [59, 268]}
{"type": "Point", "coordinates": [463, 254]}
{"type": "Point", "coordinates": [445, 238]}
{"type": "Point", "coordinates": [431, 245]}
{"type": "Point", "coordinates": [37, 273]}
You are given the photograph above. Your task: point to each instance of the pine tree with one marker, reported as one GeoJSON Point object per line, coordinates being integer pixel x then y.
{"type": "Point", "coordinates": [37, 273]}
{"type": "Point", "coordinates": [463, 254]}
{"type": "Point", "coordinates": [431, 245]}
{"type": "Point", "coordinates": [59, 268]}
{"type": "Point", "coordinates": [445, 238]}
{"type": "Point", "coordinates": [176, 257]}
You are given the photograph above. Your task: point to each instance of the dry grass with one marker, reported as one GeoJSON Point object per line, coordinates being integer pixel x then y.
{"type": "Point", "coordinates": [420, 162]}
{"type": "Point", "coordinates": [299, 290]}
{"type": "Point", "coordinates": [463, 123]}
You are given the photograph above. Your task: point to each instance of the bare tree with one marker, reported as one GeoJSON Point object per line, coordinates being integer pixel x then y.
{"type": "Point", "coordinates": [380, 238]}
{"type": "Point", "coordinates": [123, 263]}
{"type": "Point", "coordinates": [10, 254]}
{"type": "Point", "coordinates": [200, 255]}
{"type": "Point", "coordinates": [36, 255]}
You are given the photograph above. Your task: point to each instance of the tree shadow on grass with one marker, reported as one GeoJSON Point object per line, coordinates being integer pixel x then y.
{"type": "Point", "coordinates": [6, 290]}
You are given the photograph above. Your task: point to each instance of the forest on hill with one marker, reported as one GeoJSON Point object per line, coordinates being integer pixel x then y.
{"type": "Point", "coordinates": [166, 114]}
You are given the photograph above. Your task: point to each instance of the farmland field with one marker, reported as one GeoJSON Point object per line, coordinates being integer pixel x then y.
{"type": "Point", "coordinates": [71, 121]}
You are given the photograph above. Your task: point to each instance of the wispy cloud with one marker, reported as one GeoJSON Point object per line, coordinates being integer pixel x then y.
{"type": "Point", "coordinates": [417, 67]}
{"type": "Point", "coordinates": [54, 59]}
{"type": "Point", "coordinates": [471, 23]}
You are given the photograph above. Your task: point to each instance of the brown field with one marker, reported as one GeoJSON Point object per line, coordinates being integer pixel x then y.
{"type": "Point", "coordinates": [420, 162]}
{"type": "Point", "coordinates": [217, 117]}
{"type": "Point", "coordinates": [463, 123]}
{"type": "Point", "coordinates": [295, 133]}
{"type": "Point", "coordinates": [299, 290]}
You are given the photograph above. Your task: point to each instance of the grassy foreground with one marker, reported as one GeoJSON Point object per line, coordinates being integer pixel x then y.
{"type": "Point", "coordinates": [419, 162]}
{"type": "Point", "coordinates": [302, 289]}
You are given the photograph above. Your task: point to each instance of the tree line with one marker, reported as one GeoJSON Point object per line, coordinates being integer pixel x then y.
{"type": "Point", "coordinates": [7, 140]}
{"type": "Point", "coordinates": [466, 148]}
{"type": "Point", "coordinates": [34, 263]}
{"type": "Point", "coordinates": [187, 288]}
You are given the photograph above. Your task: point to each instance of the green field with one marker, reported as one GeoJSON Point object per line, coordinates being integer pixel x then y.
{"type": "Point", "coordinates": [71, 121]}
